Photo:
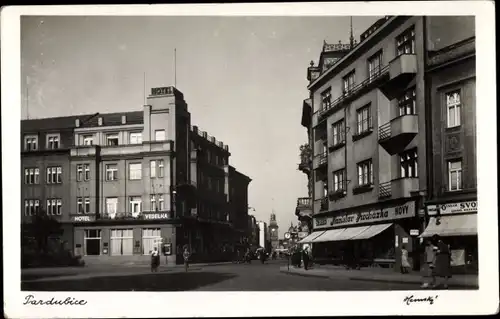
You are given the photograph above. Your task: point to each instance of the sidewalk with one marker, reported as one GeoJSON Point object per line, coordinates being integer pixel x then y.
{"type": "Point", "coordinates": [376, 275]}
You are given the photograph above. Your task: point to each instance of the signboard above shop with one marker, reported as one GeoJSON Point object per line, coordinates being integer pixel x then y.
{"type": "Point", "coordinates": [83, 218]}
{"type": "Point", "coordinates": [156, 215]}
{"type": "Point", "coordinates": [453, 208]}
{"type": "Point", "coordinates": [364, 217]}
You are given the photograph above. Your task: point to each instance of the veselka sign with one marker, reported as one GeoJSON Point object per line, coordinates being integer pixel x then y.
{"type": "Point", "coordinates": [156, 215]}
{"type": "Point", "coordinates": [385, 214]}
{"type": "Point", "coordinates": [453, 208]}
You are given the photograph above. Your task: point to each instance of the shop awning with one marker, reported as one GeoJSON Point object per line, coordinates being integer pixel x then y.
{"type": "Point", "coordinates": [351, 232]}
{"type": "Point", "coordinates": [452, 225]}
{"type": "Point", "coordinates": [329, 235]}
{"type": "Point", "coordinates": [372, 231]}
{"type": "Point", "coordinates": [309, 238]}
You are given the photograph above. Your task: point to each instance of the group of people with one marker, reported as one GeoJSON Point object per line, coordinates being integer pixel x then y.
{"type": "Point", "coordinates": [155, 259]}
{"type": "Point", "coordinates": [299, 256]}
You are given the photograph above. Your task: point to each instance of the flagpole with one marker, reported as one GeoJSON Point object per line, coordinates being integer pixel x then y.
{"type": "Point", "coordinates": [175, 67]}
{"type": "Point", "coordinates": [144, 88]}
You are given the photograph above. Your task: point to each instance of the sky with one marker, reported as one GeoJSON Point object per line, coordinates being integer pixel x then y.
{"type": "Point", "coordinates": [244, 79]}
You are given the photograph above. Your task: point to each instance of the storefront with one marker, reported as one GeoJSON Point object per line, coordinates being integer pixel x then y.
{"type": "Point", "coordinates": [126, 238]}
{"type": "Point", "coordinates": [371, 236]}
{"type": "Point", "coordinates": [456, 223]}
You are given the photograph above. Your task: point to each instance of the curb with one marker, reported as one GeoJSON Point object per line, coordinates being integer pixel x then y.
{"type": "Point", "coordinates": [470, 286]}
{"type": "Point", "coordinates": [303, 275]}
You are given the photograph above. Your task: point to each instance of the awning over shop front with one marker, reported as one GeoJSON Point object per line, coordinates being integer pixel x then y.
{"type": "Point", "coordinates": [372, 231]}
{"type": "Point", "coordinates": [350, 232]}
{"type": "Point", "coordinates": [311, 237]}
{"type": "Point", "coordinates": [452, 225]}
{"type": "Point", "coordinates": [328, 235]}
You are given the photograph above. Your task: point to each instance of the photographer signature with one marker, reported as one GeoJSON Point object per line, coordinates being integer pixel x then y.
{"type": "Point", "coordinates": [412, 299]}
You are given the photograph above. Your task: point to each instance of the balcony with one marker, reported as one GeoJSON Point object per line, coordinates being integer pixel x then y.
{"type": "Point", "coordinates": [404, 187]}
{"type": "Point", "coordinates": [398, 133]}
{"type": "Point", "coordinates": [320, 161]}
{"type": "Point", "coordinates": [402, 69]}
{"type": "Point", "coordinates": [84, 151]}
{"type": "Point", "coordinates": [375, 79]}
{"type": "Point", "coordinates": [304, 208]}
{"type": "Point", "coordinates": [338, 194]}
{"type": "Point", "coordinates": [384, 190]}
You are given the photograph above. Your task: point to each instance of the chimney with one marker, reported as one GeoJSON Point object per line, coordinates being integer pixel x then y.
{"type": "Point", "coordinates": [99, 121]}
{"type": "Point", "coordinates": [77, 122]}
{"type": "Point", "coordinates": [124, 119]}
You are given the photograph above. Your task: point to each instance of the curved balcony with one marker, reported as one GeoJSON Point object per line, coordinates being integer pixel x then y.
{"type": "Point", "coordinates": [398, 133]}
{"type": "Point", "coordinates": [398, 188]}
{"type": "Point", "coordinates": [304, 208]}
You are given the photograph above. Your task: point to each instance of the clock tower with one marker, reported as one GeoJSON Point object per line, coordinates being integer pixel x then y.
{"type": "Point", "coordinates": [273, 232]}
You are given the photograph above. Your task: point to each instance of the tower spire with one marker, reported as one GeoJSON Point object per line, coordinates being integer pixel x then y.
{"type": "Point", "coordinates": [351, 38]}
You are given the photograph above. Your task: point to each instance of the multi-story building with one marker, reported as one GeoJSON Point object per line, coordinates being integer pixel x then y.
{"type": "Point", "coordinates": [253, 231]}
{"type": "Point", "coordinates": [263, 235]}
{"type": "Point", "coordinates": [368, 143]}
{"type": "Point", "coordinates": [139, 180]}
{"type": "Point", "coordinates": [238, 201]}
{"type": "Point", "coordinates": [451, 127]}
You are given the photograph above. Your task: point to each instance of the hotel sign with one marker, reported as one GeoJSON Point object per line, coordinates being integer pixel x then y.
{"type": "Point", "coordinates": [161, 91]}
{"type": "Point", "coordinates": [154, 216]}
{"type": "Point", "coordinates": [83, 218]}
{"type": "Point", "coordinates": [385, 214]}
{"type": "Point", "coordinates": [453, 208]}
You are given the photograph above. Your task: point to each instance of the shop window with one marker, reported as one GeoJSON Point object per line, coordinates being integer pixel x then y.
{"type": "Point", "coordinates": [151, 237]}
{"type": "Point", "coordinates": [122, 242]}
{"type": "Point", "coordinates": [92, 240]}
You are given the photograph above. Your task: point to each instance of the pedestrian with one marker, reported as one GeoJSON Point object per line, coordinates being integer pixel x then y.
{"type": "Point", "coordinates": [155, 260]}
{"type": "Point", "coordinates": [405, 264]}
{"type": "Point", "coordinates": [186, 256]}
{"type": "Point", "coordinates": [305, 257]}
{"type": "Point", "coordinates": [429, 256]}
{"type": "Point", "coordinates": [442, 264]}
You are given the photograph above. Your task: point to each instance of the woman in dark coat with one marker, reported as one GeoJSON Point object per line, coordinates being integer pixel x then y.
{"type": "Point", "coordinates": [155, 260]}
{"type": "Point", "coordinates": [442, 263]}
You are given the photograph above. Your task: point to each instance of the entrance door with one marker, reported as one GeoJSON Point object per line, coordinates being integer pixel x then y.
{"type": "Point", "coordinates": [122, 242]}
{"type": "Point", "coordinates": [92, 240]}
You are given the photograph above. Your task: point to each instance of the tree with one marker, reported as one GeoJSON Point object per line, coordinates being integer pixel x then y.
{"type": "Point", "coordinates": [41, 227]}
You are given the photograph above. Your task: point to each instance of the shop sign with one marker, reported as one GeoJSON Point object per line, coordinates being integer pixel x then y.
{"type": "Point", "coordinates": [414, 232]}
{"type": "Point", "coordinates": [156, 215]}
{"type": "Point", "coordinates": [87, 218]}
{"type": "Point", "coordinates": [385, 214]}
{"type": "Point", "coordinates": [453, 208]}
{"type": "Point", "coordinates": [161, 91]}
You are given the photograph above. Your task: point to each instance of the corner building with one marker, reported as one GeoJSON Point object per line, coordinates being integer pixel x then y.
{"type": "Point", "coordinates": [135, 182]}
{"type": "Point", "coordinates": [368, 143]}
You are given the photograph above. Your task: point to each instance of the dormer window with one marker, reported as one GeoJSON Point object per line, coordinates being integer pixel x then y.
{"type": "Point", "coordinates": [53, 141]}
{"type": "Point", "coordinates": [31, 143]}
{"type": "Point", "coordinates": [112, 139]}
{"type": "Point", "coordinates": [88, 140]}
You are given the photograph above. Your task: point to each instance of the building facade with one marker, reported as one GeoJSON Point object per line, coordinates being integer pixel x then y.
{"type": "Point", "coordinates": [263, 235]}
{"type": "Point", "coordinates": [368, 143]}
{"type": "Point", "coordinates": [139, 180]}
{"type": "Point", "coordinates": [273, 232]}
{"type": "Point", "coordinates": [451, 85]}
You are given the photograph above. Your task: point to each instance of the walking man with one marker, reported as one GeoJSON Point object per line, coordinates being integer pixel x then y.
{"type": "Point", "coordinates": [186, 256]}
{"type": "Point", "coordinates": [305, 257]}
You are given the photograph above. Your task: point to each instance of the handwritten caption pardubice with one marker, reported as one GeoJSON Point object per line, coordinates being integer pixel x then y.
{"type": "Point", "coordinates": [69, 301]}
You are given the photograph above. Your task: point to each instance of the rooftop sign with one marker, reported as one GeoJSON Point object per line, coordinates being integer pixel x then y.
{"type": "Point", "coordinates": [162, 90]}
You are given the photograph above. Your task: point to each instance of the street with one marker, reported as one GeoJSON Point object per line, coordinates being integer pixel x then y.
{"type": "Point", "coordinates": [228, 277]}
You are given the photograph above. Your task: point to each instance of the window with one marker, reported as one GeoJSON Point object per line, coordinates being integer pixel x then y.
{"type": "Point", "coordinates": [88, 140]}
{"type": "Point", "coordinates": [111, 172]}
{"type": "Point", "coordinates": [54, 175]}
{"type": "Point", "coordinates": [112, 139]}
{"type": "Point", "coordinates": [92, 239]}
{"type": "Point", "coordinates": [87, 205]}
{"type": "Point", "coordinates": [135, 138]}
{"type": "Point", "coordinates": [79, 206]}
{"type": "Point", "coordinates": [349, 81]}
{"type": "Point", "coordinates": [325, 188]}
{"type": "Point", "coordinates": [122, 242]}
{"type": "Point", "coordinates": [364, 119]}
{"type": "Point", "coordinates": [159, 135]}
{"type": "Point", "coordinates": [52, 206]}
{"type": "Point", "coordinates": [160, 168]}
{"type": "Point", "coordinates": [407, 103]}
{"type": "Point", "coordinates": [79, 173]}
{"type": "Point", "coordinates": [453, 108]}
{"type": "Point", "coordinates": [52, 142]}
{"type": "Point", "coordinates": [31, 207]}
{"type": "Point", "coordinates": [152, 169]}
{"type": "Point", "coordinates": [161, 203]}
{"type": "Point", "coordinates": [455, 175]}
{"type": "Point", "coordinates": [150, 238]}
{"type": "Point", "coordinates": [31, 176]}
{"type": "Point", "coordinates": [326, 99]}
{"type": "Point", "coordinates": [339, 180]}
{"type": "Point", "coordinates": [111, 206]}
{"type": "Point", "coordinates": [135, 205]}
{"type": "Point", "coordinates": [409, 164]}
{"type": "Point", "coordinates": [83, 172]}
{"type": "Point", "coordinates": [365, 173]}
{"type": "Point", "coordinates": [405, 42]}
{"type": "Point", "coordinates": [86, 168]}
{"type": "Point", "coordinates": [135, 171]}
{"type": "Point", "coordinates": [157, 202]}
{"type": "Point", "coordinates": [31, 143]}
{"type": "Point", "coordinates": [375, 65]}
{"type": "Point", "coordinates": [338, 132]}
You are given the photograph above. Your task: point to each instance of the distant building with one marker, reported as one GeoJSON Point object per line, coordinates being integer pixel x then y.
{"type": "Point", "coordinates": [273, 232]}
{"type": "Point", "coordinates": [263, 234]}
